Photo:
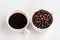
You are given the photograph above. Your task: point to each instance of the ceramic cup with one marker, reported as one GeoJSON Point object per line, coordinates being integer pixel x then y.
{"type": "Point", "coordinates": [22, 29]}
{"type": "Point", "coordinates": [39, 29]}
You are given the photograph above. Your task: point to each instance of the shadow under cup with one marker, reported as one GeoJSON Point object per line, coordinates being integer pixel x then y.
{"type": "Point", "coordinates": [17, 20]}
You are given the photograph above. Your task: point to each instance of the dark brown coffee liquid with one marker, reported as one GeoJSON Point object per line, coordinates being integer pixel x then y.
{"type": "Point", "coordinates": [17, 21]}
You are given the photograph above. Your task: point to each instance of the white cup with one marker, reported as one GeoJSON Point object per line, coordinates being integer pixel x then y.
{"type": "Point", "coordinates": [39, 29]}
{"type": "Point", "coordinates": [22, 29]}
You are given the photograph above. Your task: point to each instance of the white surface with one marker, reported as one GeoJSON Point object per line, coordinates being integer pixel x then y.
{"type": "Point", "coordinates": [29, 6]}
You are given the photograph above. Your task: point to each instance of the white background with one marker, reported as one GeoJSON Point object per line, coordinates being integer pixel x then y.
{"type": "Point", "coordinates": [29, 7]}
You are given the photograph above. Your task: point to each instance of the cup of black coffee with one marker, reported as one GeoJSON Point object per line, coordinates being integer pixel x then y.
{"type": "Point", "coordinates": [18, 21]}
{"type": "Point", "coordinates": [42, 20]}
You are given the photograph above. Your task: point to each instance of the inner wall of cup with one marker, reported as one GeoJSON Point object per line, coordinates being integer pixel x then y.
{"type": "Point", "coordinates": [22, 14]}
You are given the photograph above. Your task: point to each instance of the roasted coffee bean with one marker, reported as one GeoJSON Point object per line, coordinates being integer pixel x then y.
{"type": "Point", "coordinates": [42, 19]}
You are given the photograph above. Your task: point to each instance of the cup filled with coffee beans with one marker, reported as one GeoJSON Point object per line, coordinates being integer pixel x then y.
{"type": "Point", "coordinates": [18, 21]}
{"type": "Point", "coordinates": [42, 20]}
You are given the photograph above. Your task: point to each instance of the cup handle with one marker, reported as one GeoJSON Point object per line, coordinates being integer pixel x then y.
{"type": "Point", "coordinates": [52, 12]}
{"type": "Point", "coordinates": [26, 30]}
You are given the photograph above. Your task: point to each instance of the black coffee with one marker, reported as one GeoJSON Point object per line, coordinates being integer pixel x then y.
{"type": "Point", "coordinates": [17, 21]}
{"type": "Point", "coordinates": [42, 19]}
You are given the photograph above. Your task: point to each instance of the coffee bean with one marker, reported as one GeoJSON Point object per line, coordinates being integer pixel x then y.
{"type": "Point", "coordinates": [42, 19]}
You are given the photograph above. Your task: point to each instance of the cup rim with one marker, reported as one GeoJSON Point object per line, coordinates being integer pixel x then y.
{"type": "Point", "coordinates": [17, 11]}
{"type": "Point", "coordinates": [39, 29]}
